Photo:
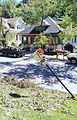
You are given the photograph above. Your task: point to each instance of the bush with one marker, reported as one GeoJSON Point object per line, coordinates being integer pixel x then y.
{"type": "Point", "coordinates": [24, 83]}
{"type": "Point", "coordinates": [13, 44]}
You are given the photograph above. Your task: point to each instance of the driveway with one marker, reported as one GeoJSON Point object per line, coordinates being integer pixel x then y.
{"type": "Point", "coordinates": [19, 67]}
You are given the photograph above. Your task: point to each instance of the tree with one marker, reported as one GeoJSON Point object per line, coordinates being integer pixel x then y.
{"type": "Point", "coordinates": [1, 20]}
{"type": "Point", "coordinates": [38, 10]}
{"type": "Point", "coordinates": [10, 38]}
{"type": "Point", "coordinates": [9, 9]}
{"type": "Point", "coordinates": [40, 40]}
{"type": "Point", "coordinates": [70, 20]}
{"type": "Point", "coordinates": [35, 11]}
{"type": "Point", "coordinates": [0, 8]}
{"type": "Point", "coordinates": [24, 13]}
{"type": "Point", "coordinates": [6, 35]}
{"type": "Point", "coordinates": [4, 30]}
{"type": "Point", "coordinates": [71, 10]}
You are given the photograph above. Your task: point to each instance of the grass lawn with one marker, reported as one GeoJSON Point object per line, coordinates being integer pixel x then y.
{"type": "Point", "coordinates": [24, 100]}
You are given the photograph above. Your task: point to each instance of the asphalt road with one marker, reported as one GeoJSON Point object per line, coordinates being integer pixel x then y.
{"type": "Point", "coordinates": [26, 65]}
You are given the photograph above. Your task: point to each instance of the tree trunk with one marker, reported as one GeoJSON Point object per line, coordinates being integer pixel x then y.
{"type": "Point", "coordinates": [41, 24]}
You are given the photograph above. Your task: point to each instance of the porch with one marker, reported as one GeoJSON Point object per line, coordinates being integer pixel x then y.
{"type": "Point", "coordinates": [53, 41]}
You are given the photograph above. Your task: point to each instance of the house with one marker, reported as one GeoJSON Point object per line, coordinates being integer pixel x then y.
{"type": "Point", "coordinates": [16, 25]}
{"type": "Point", "coordinates": [13, 25]}
{"type": "Point", "coordinates": [49, 26]}
{"type": "Point", "coordinates": [59, 21]}
{"type": "Point", "coordinates": [73, 41]}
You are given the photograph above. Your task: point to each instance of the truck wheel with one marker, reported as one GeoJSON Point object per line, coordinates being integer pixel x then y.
{"type": "Point", "coordinates": [15, 55]}
{"type": "Point", "coordinates": [73, 61]}
{"type": "Point", "coordinates": [1, 53]}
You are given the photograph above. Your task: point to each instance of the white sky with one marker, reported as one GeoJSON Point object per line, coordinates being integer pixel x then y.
{"type": "Point", "coordinates": [15, 0]}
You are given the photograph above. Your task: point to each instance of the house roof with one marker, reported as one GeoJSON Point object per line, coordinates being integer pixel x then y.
{"type": "Point", "coordinates": [12, 20]}
{"type": "Point", "coordinates": [27, 31]}
{"type": "Point", "coordinates": [44, 23]}
{"type": "Point", "coordinates": [52, 27]}
{"type": "Point", "coordinates": [58, 20]}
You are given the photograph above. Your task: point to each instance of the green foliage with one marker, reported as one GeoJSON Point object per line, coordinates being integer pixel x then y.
{"type": "Point", "coordinates": [0, 17]}
{"type": "Point", "coordinates": [69, 30]}
{"type": "Point", "coordinates": [10, 37]}
{"type": "Point", "coordinates": [6, 35]}
{"type": "Point", "coordinates": [0, 8]}
{"type": "Point", "coordinates": [66, 34]}
{"type": "Point", "coordinates": [71, 10]}
{"type": "Point", "coordinates": [13, 44]}
{"type": "Point", "coordinates": [20, 12]}
{"type": "Point", "coordinates": [9, 9]}
{"type": "Point", "coordinates": [38, 10]}
{"type": "Point", "coordinates": [74, 13]}
{"type": "Point", "coordinates": [40, 40]}
{"type": "Point", "coordinates": [66, 9]}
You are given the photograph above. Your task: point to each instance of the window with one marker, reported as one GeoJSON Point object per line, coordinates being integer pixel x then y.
{"type": "Point", "coordinates": [32, 40]}
{"type": "Point", "coordinates": [19, 27]}
{"type": "Point", "coordinates": [16, 37]}
{"type": "Point", "coordinates": [20, 38]}
{"type": "Point", "coordinates": [72, 40]}
{"type": "Point", "coordinates": [75, 39]}
{"type": "Point", "coordinates": [24, 38]}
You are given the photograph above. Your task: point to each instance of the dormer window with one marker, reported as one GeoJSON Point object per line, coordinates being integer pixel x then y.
{"type": "Point", "coordinates": [19, 27]}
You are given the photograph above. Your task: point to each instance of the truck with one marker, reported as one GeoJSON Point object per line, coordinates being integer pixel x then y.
{"type": "Point", "coordinates": [72, 57]}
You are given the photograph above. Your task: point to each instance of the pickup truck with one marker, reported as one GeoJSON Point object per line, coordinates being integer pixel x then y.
{"type": "Point", "coordinates": [72, 57]}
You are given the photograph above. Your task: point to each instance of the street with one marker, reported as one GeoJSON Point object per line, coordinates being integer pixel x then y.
{"type": "Point", "coordinates": [18, 67]}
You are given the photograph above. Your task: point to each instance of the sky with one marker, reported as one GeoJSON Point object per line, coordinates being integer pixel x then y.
{"type": "Point", "coordinates": [15, 0]}
{"type": "Point", "coordinates": [18, 0]}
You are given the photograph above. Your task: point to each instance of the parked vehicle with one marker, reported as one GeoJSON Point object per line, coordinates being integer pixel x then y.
{"type": "Point", "coordinates": [50, 51]}
{"type": "Point", "coordinates": [72, 57]}
{"type": "Point", "coordinates": [69, 47]}
{"type": "Point", "coordinates": [12, 51]}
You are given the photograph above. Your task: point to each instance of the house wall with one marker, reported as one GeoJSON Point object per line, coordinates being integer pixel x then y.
{"type": "Point", "coordinates": [19, 39]}
{"type": "Point", "coordinates": [19, 24]}
{"type": "Point", "coordinates": [54, 42]}
{"type": "Point", "coordinates": [73, 41]}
